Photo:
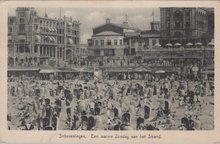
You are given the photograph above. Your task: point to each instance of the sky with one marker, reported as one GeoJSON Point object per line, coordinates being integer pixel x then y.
{"type": "Point", "coordinates": [93, 17]}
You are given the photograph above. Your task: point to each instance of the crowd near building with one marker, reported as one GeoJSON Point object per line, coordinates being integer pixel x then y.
{"type": "Point", "coordinates": [181, 42]}
{"type": "Point", "coordinates": [124, 78]}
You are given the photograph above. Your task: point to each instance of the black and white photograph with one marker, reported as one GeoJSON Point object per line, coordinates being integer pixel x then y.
{"type": "Point", "coordinates": [111, 69]}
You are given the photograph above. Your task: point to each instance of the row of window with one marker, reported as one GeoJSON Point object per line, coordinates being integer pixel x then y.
{"type": "Point", "coordinates": [111, 52]}
{"type": "Point", "coordinates": [54, 23]}
{"type": "Point", "coordinates": [108, 42]}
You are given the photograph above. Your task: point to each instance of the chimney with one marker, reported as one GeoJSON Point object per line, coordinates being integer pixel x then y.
{"type": "Point", "coordinates": [108, 20]}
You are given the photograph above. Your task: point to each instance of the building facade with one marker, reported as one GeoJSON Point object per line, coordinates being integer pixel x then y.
{"type": "Point", "coordinates": [108, 40]}
{"type": "Point", "coordinates": [34, 40]}
{"type": "Point", "coordinates": [186, 25]}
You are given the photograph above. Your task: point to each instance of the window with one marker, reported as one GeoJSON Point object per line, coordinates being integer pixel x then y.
{"type": "Point", "coordinates": [115, 42]}
{"type": "Point", "coordinates": [21, 28]}
{"type": "Point", "coordinates": [102, 42]}
{"type": "Point", "coordinates": [187, 24]}
{"type": "Point", "coordinates": [96, 42]}
{"type": "Point", "coordinates": [132, 51]}
{"type": "Point", "coordinates": [139, 43]}
{"type": "Point", "coordinates": [21, 20]}
{"type": "Point", "coordinates": [153, 42]}
{"type": "Point", "coordinates": [36, 27]}
{"type": "Point", "coordinates": [11, 21]}
{"type": "Point", "coordinates": [109, 42]}
{"type": "Point", "coordinates": [61, 52]}
{"type": "Point", "coordinates": [110, 52]}
{"type": "Point", "coordinates": [126, 51]}
{"type": "Point", "coordinates": [132, 43]}
{"type": "Point", "coordinates": [21, 14]}
{"type": "Point", "coordinates": [35, 49]}
{"type": "Point", "coordinates": [10, 29]}
{"type": "Point", "coordinates": [97, 52]}
{"type": "Point", "coordinates": [120, 42]}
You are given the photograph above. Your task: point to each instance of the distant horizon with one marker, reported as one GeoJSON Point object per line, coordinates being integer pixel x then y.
{"type": "Point", "coordinates": [93, 17]}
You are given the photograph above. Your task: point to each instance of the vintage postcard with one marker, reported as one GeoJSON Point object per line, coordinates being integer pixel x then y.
{"type": "Point", "coordinates": [109, 72]}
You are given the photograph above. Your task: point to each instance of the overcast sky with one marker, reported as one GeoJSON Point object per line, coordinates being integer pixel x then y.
{"type": "Point", "coordinates": [92, 17]}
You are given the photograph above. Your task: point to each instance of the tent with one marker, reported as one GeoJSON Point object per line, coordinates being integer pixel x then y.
{"type": "Point", "coordinates": [198, 44]}
{"type": "Point", "coordinates": [177, 44]}
{"type": "Point", "coordinates": [189, 44]}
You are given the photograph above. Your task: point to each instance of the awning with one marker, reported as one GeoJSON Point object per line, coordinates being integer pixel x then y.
{"type": "Point", "coordinates": [23, 69]}
{"type": "Point", "coordinates": [37, 37]}
{"type": "Point", "coordinates": [53, 38]}
{"type": "Point", "coordinates": [22, 37]}
{"type": "Point", "coordinates": [49, 38]}
{"type": "Point", "coordinates": [45, 37]}
{"type": "Point", "coordinates": [117, 70]}
{"type": "Point", "coordinates": [70, 41]}
{"type": "Point", "coordinates": [47, 71]}
{"type": "Point", "coordinates": [142, 70]}
{"type": "Point", "coordinates": [160, 72]}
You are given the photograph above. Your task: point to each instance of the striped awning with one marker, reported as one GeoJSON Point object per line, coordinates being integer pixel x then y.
{"type": "Point", "coordinates": [37, 37]}
{"type": "Point", "coordinates": [53, 38]}
{"type": "Point", "coordinates": [70, 41]}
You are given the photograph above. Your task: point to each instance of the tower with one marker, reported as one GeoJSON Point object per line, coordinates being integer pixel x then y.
{"type": "Point", "coordinates": [183, 25]}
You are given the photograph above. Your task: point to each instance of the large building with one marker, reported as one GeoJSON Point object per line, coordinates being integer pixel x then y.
{"type": "Point", "coordinates": [120, 42]}
{"type": "Point", "coordinates": [186, 25]}
{"type": "Point", "coordinates": [34, 40]}
{"type": "Point", "coordinates": [108, 40]}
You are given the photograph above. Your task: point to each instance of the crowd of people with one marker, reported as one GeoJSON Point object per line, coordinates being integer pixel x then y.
{"type": "Point", "coordinates": [168, 103]}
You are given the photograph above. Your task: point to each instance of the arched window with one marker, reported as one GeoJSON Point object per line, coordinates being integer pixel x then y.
{"type": "Point", "coordinates": [178, 14]}
{"type": "Point", "coordinates": [35, 48]}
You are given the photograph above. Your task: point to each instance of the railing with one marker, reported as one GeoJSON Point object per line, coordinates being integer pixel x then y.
{"type": "Point", "coordinates": [177, 49]}
{"type": "Point", "coordinates": [107, 47]}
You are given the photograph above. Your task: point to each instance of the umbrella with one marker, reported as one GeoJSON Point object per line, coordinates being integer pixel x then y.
{"type": "Point", "coordinates": [211, 44]}
{"type": "Point", "coordinates": [198, 43]}
{"type": "Point", "coordinates": [177, 44]}
{"type": "Point", "coordinates": [169, 44]}
{"type": "Point", "coordinates": [157, 45]}
{"type": "Point", "coordinates": [189, 44]}
{"type": "Point", "coordinates": [160, 72]}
